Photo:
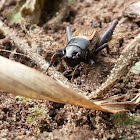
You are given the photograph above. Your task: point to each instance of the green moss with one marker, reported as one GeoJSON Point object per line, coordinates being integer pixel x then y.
{"type": "Point", "coordinates": [24, 98]}
{"type": "Point", "coordinates": [36, 111]}
{"type": "Point", "coordinates": [126, 119]}
{"type": "Point", "coordinates": [126, 138]}
{"type": "Point", "coordinates": [30, 118]}
{"type": "Point", "coordinates": [123, 138]}
{"type": "Point", "coordinates": [125, 80]}
{"type": "Point", "coordinates": [71, 2]}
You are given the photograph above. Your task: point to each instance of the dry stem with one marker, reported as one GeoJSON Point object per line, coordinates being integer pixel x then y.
{"type": "Point", "coordinates": [128, 57]}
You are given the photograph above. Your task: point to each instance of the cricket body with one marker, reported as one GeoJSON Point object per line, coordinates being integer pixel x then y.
{"type": "Point", "coordinates": [83, 45]}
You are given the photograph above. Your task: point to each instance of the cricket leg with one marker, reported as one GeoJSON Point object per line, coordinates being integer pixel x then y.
{"type": "Point", "coordinates": [108, 34]}
{"type": "Point", "coordinates": [68, 33]}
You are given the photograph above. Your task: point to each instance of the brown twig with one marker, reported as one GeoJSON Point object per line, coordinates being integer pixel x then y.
{"type": "Point", "coordinates": [3, 50]}
{"type": "Point", "coordinates": [11, 56]}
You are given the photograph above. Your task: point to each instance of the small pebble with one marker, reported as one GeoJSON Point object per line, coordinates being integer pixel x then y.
{"type": "Point", "coordinates": [133, 12]}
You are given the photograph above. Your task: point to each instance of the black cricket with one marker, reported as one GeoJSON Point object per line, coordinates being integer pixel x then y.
{"type": "Point", "coordinates": [83, 45]}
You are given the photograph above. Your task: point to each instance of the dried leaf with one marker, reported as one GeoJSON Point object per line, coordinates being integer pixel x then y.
{"type": "Point", "coordinates": [26, 10]}
{"type": "Point", "coordinates": [21, 80]}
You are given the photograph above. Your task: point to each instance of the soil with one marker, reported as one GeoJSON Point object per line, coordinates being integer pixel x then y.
{"type": "Point", "coordinates": [23, 118]}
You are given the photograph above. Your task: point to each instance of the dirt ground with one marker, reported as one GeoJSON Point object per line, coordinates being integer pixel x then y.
{"type": "Point", "coordinates": [23, 118]}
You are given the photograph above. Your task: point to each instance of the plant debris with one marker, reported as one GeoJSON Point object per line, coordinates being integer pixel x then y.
{"type": "Point", "coordinates": [26, 118]}
{"type": "Point", "coordinates": [133, 12]}
{"type": "Point", "coordinates": [129, 56]}
{"type": "Point", "coordinates": [26, 9]}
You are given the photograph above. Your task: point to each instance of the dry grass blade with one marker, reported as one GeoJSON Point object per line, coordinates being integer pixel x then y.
{"type": "Point", "coordinates": [136, 99]}
{"type": "Point", "coordinates": [128, 57]}
{"type": "Point", "coordinates": [3, 50]}
{"type": "Point", "coordinates": [111, 103]}
{"type": "Point", "coordinates": [25, 81]}
{"type": "Point", "coordinates": [22, 80]}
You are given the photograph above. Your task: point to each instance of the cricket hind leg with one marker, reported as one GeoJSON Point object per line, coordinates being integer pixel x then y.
{"type": "Point", "coordinates": [107, 36]}
{"type": "Point", "coordinates": [108, 33]}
